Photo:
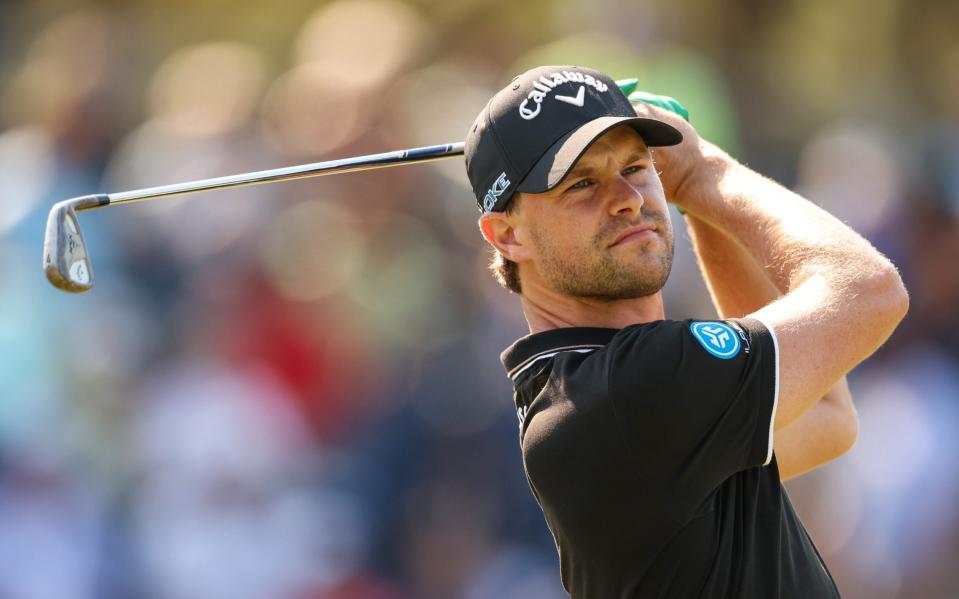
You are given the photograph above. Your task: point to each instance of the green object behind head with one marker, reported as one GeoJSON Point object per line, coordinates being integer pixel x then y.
{"type": "Point", "coordinates": [628, 87]}
{"type": "Point", "coordinates": [671, 104]}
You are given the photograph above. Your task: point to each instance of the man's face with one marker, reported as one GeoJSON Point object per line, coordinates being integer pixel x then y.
{"type": "Point", "coordinates": [574, 233]}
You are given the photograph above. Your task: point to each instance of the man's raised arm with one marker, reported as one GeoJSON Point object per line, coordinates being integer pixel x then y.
{"type": "Point", "coordinates": [841, 297]}
{"type": "Point", "coordinates": [738, 287]}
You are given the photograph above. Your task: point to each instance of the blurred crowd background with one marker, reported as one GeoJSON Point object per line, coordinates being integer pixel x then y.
{"type": "Point", "coordinates": [293, 391]}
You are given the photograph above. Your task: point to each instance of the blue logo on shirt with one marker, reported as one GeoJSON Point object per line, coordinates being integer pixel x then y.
{"type": "Point", "coordinates": [718, 338]}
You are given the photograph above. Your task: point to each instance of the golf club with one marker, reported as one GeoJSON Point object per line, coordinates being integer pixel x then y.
{"type": "Point", "coordinates": [65, 258]}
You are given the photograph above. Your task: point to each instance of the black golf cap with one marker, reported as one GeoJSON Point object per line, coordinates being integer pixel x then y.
{"type": "Point", "coordinates": [533, 131]}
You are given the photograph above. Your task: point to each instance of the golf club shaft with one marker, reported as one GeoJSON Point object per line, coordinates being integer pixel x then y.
{"type": "Point", "coordinates": [303, 171]}
{"type": "Point", "coordinates": [316, 169]}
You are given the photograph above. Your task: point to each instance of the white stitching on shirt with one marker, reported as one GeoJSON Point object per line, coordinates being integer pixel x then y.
{"type": "Point", "coordinates": [548, 354]}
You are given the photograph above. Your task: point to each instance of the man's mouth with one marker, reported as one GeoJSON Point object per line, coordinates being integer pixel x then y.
{"type": "Point", "coordinates": [634, 233]}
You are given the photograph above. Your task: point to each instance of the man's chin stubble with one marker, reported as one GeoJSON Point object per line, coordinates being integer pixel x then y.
{"type": "Point", "coordinates": [609, 282]}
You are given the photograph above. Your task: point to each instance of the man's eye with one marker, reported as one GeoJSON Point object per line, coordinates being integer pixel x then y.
{"type": "Point", "coordinates": [629, 170]}
{"type": "Point", "coordinates": [582, 184]}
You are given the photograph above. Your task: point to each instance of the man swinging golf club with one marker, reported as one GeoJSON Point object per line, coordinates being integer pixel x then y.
{"type": "Point", "coordinates": [656, 448]}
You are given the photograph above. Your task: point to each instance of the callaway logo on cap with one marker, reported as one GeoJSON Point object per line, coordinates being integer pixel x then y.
{"type": "Point", "coordinates": [533, 131]}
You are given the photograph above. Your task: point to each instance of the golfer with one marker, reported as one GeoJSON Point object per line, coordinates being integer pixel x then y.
{"type": "Point", "coordinates": [656, 448]}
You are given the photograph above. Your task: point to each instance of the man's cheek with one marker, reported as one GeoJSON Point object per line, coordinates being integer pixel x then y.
{"type": "Point", "coordinates": [653, 182]}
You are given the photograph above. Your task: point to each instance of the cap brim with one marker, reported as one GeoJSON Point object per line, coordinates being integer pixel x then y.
{"type": "Point", "coordinates": [562, 155]}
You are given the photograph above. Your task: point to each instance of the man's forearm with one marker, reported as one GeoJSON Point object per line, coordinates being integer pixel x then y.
{"type": "Point", "coordinates": [736, 283]}
{"type": "Point", "coordinates": [790, 237]}
{"type": "Point", "coordinates": [828, 430]}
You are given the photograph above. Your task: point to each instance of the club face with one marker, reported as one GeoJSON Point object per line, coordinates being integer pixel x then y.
{"type": "Point", "coordinates": [65, 259]}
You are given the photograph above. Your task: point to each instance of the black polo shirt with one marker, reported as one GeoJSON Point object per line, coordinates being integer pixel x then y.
{"type": "Point", "coordinates": [650, 451]}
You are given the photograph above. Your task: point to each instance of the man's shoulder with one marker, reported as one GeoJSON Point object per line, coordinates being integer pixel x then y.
{"type": "Point", "coordinates": [548, 344]}
{"type": "Point", "coordinates": [536, 348]}
{"type": "Point", "coordinates": [660, 342]}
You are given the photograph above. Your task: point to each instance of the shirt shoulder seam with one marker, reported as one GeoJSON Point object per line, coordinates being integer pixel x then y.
{"type": "Point", "coordinates": [519, 368]}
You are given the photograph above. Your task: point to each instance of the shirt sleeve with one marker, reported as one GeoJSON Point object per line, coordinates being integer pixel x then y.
{"type": "Point", "coordinates": [696, 400]}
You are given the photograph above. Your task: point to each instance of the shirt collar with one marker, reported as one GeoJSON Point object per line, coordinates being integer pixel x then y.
{"type": "Point", "coordinates": [526, 350]}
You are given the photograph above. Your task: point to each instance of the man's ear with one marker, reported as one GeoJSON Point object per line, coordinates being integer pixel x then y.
{"type": "Point", "coordinates": [499, 230]}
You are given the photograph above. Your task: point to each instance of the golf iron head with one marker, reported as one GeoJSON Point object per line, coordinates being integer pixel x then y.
{"type": "Point", "coordinates": [65, 259]}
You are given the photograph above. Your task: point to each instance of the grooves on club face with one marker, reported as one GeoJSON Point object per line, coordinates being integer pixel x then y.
{"type": "Point", "coordinates": [65, 259]}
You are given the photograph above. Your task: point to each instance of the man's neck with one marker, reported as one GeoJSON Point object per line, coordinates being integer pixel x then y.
{"type": "Point", "coordinates": [547, 309]}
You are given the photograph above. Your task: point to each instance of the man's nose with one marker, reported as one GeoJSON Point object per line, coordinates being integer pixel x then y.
{"type": "Point", "coordinates": [625, 197]}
